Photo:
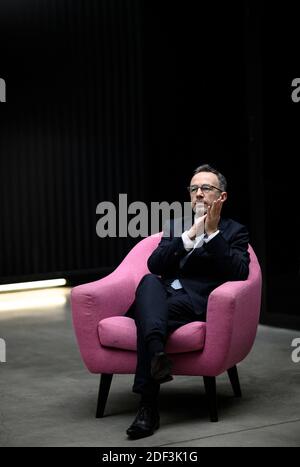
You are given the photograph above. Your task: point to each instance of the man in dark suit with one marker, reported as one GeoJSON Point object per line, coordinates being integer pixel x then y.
{"type": "Point", "coordinates": [184, 268]}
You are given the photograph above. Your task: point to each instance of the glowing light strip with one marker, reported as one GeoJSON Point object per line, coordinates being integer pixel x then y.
{"type": "Point", "coordinates": [33, 285]}
{"type": "Point", "coordinates": [32, 303]}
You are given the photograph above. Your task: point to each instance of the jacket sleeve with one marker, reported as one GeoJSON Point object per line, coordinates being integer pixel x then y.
{"type": "Point", "coordinates": [231, 257]}
{"type": "Point", "coordinates": [166, 257]}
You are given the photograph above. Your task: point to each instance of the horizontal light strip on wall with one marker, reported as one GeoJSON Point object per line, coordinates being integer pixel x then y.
{"type": "Point", "coordinates": [33, 302]}
{"type": "Point", "coordinates": [33, 285]}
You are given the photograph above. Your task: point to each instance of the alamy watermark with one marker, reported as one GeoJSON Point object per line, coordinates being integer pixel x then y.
{"type": "Point", "coordinates": [296, 353]}
{"type": "Point", "coordinates": [2, 90]}
{"type": "Point", "coordinates": [2, 351]}
{"type": "Point", "coordinates": [296, 91]}
{"type": "Point", "coordinates": [115, 221]}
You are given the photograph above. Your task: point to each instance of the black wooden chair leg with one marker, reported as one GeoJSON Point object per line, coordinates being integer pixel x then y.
{"type": "Point", "coordinates": [234, 379]}
{"type": "Point", "coordinates": [104, 387]}
{"type": "Point", "coordinates": [211, 394]}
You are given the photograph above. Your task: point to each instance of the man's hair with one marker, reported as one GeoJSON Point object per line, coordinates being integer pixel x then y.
{"type": "Point", "coordinates": [208, 168]}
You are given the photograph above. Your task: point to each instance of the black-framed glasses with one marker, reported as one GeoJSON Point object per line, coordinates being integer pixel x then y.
{"type": "Point", "coordinates": [205, 188]}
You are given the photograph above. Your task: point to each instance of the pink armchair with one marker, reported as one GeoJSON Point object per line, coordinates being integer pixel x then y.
{"type": "Point", "coordinates": [107, 338]}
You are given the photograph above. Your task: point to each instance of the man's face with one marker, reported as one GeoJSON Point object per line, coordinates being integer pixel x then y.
{"type": "Point", "coordinates": [201, 199]}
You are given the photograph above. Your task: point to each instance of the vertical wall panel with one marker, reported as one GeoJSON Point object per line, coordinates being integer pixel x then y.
{"type": "Point", "coordinates": [70, 134]}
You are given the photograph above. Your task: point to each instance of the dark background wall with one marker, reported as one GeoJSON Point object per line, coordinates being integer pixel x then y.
{"type": "Point", "coordinates": [71, 130]}
{"type": "Point", "coordinates": [280, 141]}
{"type": "Point", "coordinates": [129, 96]}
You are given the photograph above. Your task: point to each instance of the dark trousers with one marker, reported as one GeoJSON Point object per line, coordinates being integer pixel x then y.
{"type": "Point", "coordinates": [158, 310]}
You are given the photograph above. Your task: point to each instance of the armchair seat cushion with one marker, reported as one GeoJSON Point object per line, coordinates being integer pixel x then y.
{"type": "Point", "coordinates": [120, 332]}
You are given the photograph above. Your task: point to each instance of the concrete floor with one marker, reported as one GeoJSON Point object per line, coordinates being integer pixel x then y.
{"type": "Point", "coordinates": [47, 397]}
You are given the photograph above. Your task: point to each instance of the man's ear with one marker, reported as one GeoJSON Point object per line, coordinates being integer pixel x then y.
{"type": "Point", "coordinates": [223, 196]}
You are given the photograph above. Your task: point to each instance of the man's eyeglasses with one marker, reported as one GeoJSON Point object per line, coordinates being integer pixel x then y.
{"type": "Point", "coordinates": [204, 188]}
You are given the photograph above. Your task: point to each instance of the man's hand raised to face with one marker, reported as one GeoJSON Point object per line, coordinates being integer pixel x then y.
{"type": "Point", "coordinates": [213, 216]}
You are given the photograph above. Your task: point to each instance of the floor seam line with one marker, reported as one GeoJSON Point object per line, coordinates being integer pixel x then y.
{"type": "Point", "coordinates": [234, 432]}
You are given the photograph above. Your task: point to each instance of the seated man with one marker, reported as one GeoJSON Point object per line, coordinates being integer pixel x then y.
{"type": "Point", "coordinates": [184, 271]}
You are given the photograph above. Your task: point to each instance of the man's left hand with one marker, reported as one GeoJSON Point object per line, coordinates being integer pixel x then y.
{"type": "Point", "coordinates": [213, 217]}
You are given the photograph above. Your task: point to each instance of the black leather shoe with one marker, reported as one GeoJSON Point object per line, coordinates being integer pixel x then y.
{"type": "Point", "coordinates": [161, 367]}
{"type": "Point", "coordinates": [145, 423]}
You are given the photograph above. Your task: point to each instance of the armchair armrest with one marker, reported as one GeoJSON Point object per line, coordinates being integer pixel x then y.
{"type": "Point", "coordinates": [110, 296]}
{"type": "Point", "coordinates": [232, 319]}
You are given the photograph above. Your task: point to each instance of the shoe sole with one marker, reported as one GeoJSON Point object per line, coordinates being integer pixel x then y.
{"type": "Point", "coordinates": [143, 435]}
{"type": "Point", "coordinates": [166, 379]}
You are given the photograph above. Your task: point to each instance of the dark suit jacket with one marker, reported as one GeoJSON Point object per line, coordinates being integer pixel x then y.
{"type": "Point", "coordinates": [224, 258]}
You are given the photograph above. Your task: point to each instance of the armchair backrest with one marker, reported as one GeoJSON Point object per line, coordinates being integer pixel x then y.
{"type": "Point", "coordinates": [139, 254]}
{"type": "Point", "coordinates": [137, 258]}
